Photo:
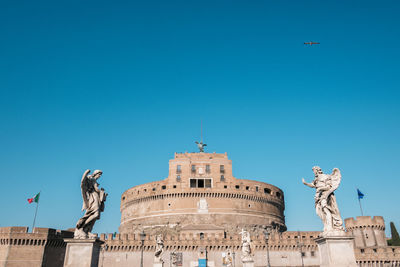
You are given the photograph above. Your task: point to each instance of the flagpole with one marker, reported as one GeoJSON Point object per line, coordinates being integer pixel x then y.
{"type": "Point", "coordinates": [359, 201]}
{"type": "Point", "coordinates": [34, 218]}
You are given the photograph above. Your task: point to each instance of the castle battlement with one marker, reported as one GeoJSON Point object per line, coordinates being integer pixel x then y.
{"type": "Point", "coordinates": [365, 221]}
{"type": "Point", "coordinates": [287, 241]}
{"type": "Point", "coordinates": [42, 247]}
{"type": "Point", "coordinates": [368, 231]}
{"type": "Point", "coordinates": [378, 256]}
{"type": "Point", "coordinates": [201, 155]}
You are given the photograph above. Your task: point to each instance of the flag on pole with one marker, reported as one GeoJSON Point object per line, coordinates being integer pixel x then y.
{"type": "Point", "coordinates": [34, 199]}
{"type": "Point", "coordinates": [360, 195]}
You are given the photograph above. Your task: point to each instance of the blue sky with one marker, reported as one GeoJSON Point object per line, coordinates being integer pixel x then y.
{"type": "Point", "coordinates": [122, 85]}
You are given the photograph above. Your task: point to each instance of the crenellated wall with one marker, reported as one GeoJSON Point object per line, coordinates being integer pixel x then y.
{"type": "Point", "coordinates": [43, 247]}
{"type": "Point", "coordinates": [368, 231]}
{"type": "Point", "coordinates": [285, 249]}
{"type": "Point", "coordinates": [379, 256]}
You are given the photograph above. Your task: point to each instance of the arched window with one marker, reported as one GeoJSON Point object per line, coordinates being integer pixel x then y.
{"type": "Point", "coordinates": [201, 236]}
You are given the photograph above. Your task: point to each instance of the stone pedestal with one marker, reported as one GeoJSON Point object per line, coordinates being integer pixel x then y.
{"type": "Point", "coordinates": [248, 263]}
{"type": "Point", "coordinates": [82, 252]}
{"type": "Point", "coordinates": [336, 251]}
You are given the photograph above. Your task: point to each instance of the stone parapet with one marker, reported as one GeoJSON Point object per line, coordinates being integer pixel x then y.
{"type": "Point", "coordinates": [287, 241]}
{"type": "Point", "coordinates": [42, 247]}
{"type": "Point", "coordinates": [368, 231]}
{"type": "Point", "coordinates": [365, 221]}
{"type": "Point", "coordinates": [378, 256]}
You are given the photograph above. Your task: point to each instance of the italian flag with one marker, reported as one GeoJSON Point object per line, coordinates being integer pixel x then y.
{"type": "Point", "coordinates": [34, 199]}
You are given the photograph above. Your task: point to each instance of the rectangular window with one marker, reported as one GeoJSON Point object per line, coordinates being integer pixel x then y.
{"type": "Point", "coordinates": [208, 170]}
{"type": "Point", "coordinates": [267, 191]}
{"type": "Point", "coordinates": [193, 168]}
{"type": "Point", "coordinates": [200, 183]}
{"type": "Point", "coordinates": [237, 186]}
{"type": "Point", "coordinates": [178, 169]}
{"type": "Point", "coordinates": [256, 188]}
{"type": "Point", "coordinates": [178, 178]}
{"type": "Point", "coordinates": [222, 178]}
{"type": "Point", "coordinates": [221, 169]}
{"type": "Point", "coordinates": [312, 253]}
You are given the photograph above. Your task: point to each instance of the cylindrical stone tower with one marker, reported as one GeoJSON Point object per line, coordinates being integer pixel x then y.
{"type": "Point", "coordinates": [368, 232]}
{"type": "Point", "coordinates": [201, 192]}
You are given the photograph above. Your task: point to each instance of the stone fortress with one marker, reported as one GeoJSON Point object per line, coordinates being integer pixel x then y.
{"type": "Point", "coordinates": [200, 210]}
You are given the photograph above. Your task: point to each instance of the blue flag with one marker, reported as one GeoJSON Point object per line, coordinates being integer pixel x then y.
{"type": "Point", "coordinates": [360, 195]}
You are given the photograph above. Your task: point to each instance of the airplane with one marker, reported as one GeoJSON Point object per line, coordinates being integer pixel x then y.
{"type": "Point", "coordinates": [310, 43]}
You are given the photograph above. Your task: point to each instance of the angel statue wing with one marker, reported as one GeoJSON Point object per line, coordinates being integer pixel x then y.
{"type": "Point", "coordinates": [84, 188]}
{"type": "Point", "coordinates": [336, 177]}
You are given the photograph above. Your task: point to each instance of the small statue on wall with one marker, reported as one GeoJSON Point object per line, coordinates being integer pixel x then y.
{"type": "Point", "coordinates": [246, 246]}
{"type": "Point", "coordinates": [159, 249]}
{"type": "Point", "coordinates": [325, 201]}
{"type": "Point", "coordinates": [176, 258]}
{"type": "Point", "coordinates": [227, 259]}
{"type": "Point", "coordinates": [93, 203]}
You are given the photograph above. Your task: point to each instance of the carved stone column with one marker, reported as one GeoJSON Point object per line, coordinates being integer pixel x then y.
{"type": "Point", "coordinates": [82, 252]}
{"type": "Point", "coordinates": [336, 251]}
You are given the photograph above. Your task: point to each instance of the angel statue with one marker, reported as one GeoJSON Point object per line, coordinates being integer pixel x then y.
{"type": "Point", "coordinates": [93, 203]}
{"type": "Point", "coordinates": [159, 249]}
{"type": "Point", "coordinates": [201, 146]}
{"type": "Point", "coordinates": [325, 200]}
{"type": "Point", "coordinates": [246, 246]}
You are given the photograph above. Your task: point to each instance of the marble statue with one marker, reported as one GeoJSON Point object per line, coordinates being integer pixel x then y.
{"type": "Point", "coordinates": [174, 258]}
{"type": "Point", "coordinates": [325, 200]}
{"type": "Point", "coordinates": [93, 203]}
{"type": "Point", "coordinates": [159, 249]}
{"type": "Point", "coordinates": [246, 246]}
{"type": "Point", "coordinates": [227, 259]}
{"type": "Point", "coordinates": [201, 146]}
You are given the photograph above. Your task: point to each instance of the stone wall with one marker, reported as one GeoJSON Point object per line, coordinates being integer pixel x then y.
{"type": "Point", "coordinates": [43, 247]}
{"type": "Point", "coordinates": [285, 249]}
{"type": "Point", "coordinates": [368, 231]}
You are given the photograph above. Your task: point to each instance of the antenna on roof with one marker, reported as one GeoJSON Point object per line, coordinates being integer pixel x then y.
{"type": "Point", "coordinates": [201, 131]}
{"type": "Point", "coordinates": [201, 145]}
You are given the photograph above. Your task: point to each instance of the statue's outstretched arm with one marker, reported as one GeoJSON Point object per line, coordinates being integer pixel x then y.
{"type": "Point", "coordinates": [307, 184]}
